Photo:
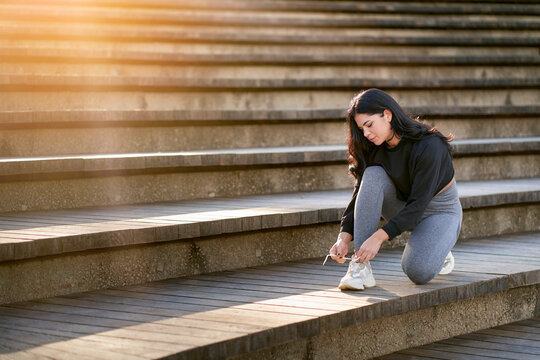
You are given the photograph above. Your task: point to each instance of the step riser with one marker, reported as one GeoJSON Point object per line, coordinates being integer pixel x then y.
{"type": "Point", "coordinates": [118, 190]}
{"type": "Point", "coordinates": [67, 193]}
{"type": "Point", "coordinates": [71, 47]}
{"type": "Point", "coordinates": [488, 128]}
{"type": "Point", "coordinates": [276, 72]}
{"type": "Point", "coordinates": [409, 329]}
{"type": "Point", "coordinates": [96, 269]}
{"type": "Point", "coordinates": [525, 8]}
{"type": "Point", "coordinates": [156, 139]}
{"type": "Point", "coordinates": [497, 167]}
{"type": "Point", "coordinates": [260, 18]}
{"type": "Point", "coordinates": [59, 141]}
{"type": "Point", "coordinates": [264, 34]}
{"type": "Point", "coordinates": [253, 100]}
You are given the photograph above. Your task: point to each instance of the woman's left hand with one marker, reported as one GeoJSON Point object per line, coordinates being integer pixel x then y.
{"type": "Point", "coordinates": [371, 246]}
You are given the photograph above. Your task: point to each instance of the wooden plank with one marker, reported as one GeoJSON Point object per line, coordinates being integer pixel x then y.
{"type": "Point", "coordinates": [438, 354]}
{"type": "Point", "coordinates": [157, 327]}
{"type": "Point", "coordinates": [531, 322]}
{"type": "Point", "coordinates": [138, 332]}
{"type": "Point", "coordinates": [468, 351]}
{"type": "Point", "coordinates": [488, 345]}
{"type": "Point", "coordinates": [178, 309]}
{"type": "Point", "coordinates": [102, 316]}
{"type": "Point", "coordinates": [75, 348]}
{"type": "Point", "coordinates": [500, 339]}
{"type": "Point", "coordinates": [142, 346]}
{"type": "Point", "coordinates": [510, 334]}
{"type": "Point", "coordinates": [520, 327]}
{"type": "Point", "coordinates": [117, 349]}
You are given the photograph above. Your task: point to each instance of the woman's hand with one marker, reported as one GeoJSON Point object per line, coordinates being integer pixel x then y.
{"type": "Point", "coordinates": [340, 249]}
{"type": "Point", "coordinates": [371, 246]}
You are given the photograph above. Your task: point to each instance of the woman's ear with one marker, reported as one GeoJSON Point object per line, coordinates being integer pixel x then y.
{"type": "Point", "coordinates": [387, 115]}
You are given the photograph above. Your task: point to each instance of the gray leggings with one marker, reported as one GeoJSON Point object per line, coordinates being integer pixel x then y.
{"type": "Point", "coordinates": [430, 241]}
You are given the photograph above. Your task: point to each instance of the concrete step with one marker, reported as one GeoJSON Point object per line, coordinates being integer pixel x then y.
{"type": "Point", "coordinates": [59, 182]}
{"type": "Point", "coordinates": [39, 133]}
{"type": "Point", "coordinates": [517, 340]}
{"type": "Point", "coordinates": [235, 75]}
{"type": "Point", "coordinates": [112, 246]}
{"type": "Point", "coordinates": [290, 310]}
{"type": "Point", "coordinates": [527, 7]}
{"type": "Point", "coordinates": [16, 30]}
{"type": "Point", "coordinates": [194, 53]}
{"type": "Point", "coordinates": [53, 82]}
{"type": "Point", "coordinates": [77, 97]}
{"type": "Point", "coordinates": [223, 17]}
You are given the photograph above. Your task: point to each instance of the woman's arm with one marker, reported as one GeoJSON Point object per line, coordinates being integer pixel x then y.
{"type": "Point", "coordinates": [347, 220]}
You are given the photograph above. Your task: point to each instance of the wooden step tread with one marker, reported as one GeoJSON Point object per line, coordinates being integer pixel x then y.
{"type": "Point", "coordinates": [519, 340]}
{"type": "Point", "coordinates": [33, 234]}
{"type": "Point", "coordinates": [236, 312]}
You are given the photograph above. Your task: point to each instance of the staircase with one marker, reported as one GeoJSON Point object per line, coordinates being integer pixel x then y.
{"type": "Point", "coordinates": [149, 140]}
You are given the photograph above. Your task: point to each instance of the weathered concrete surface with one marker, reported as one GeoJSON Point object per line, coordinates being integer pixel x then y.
{"type": "Point", "coordinates": [293, 71]}
{"type": "Point", "coordinates": [389, 334]}
{"type": "Point", "coordinates": [497, 167]}
{"type": "Point", "coordinates": [38, 142]}
{"type": "Point", "coordinates": [118, 190]}
{"type": "Point", "coordinates": [254, 100]}
{"type": "Point", "coordinates": [47, 276]}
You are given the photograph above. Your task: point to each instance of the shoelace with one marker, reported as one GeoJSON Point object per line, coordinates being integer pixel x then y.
{"type": "Point", "coordinates": [327, 256]}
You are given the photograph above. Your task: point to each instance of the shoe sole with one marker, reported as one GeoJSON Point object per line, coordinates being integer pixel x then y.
{"type": "Point", "coordinates": [344, 286]}
{"type": "Point", "coordinates": [370, 283]}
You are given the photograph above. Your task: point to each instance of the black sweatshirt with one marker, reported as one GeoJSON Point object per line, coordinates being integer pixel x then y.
{"type": "Point", "coordinates": [419, 170]}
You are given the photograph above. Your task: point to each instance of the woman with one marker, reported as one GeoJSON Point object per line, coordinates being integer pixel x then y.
{"type": "Point", "coordinates": [404, 172]}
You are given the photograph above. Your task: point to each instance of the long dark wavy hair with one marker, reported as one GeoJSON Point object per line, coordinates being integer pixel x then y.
{"type": "Point", "coordinates": [375, 101]}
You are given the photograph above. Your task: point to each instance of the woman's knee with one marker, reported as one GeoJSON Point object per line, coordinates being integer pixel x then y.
{"type": "Point", "coordinates": [374, 172]}
{"type": "Point", "coordinates": [416, 272]}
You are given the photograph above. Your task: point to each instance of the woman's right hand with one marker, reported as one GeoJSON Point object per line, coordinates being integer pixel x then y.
{"type": "Point", "coordinates": [340, 249]}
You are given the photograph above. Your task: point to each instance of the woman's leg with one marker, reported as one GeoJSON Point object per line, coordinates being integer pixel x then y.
{"type": "Point", "coordinates": [433, 238]}
{"type": "Point", "coordinates": [377, 195]}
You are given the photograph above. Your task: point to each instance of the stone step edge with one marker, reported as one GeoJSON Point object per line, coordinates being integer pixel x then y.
{"type": "Point", "coordinates": [226, 216]}
{"type": "Point", "coordinates": [20, 168]}
{"type": "Point", "coordinates": [322, 6]}
{"type": "Point", "coordinates": [49, 83]}
{"type": "Point", "coordinates": [198, 36]}
{"type": "Point", "coordinates": [75, 118]}
{"type": "Point", "coordinates": [50, 13]}
{"type": "Point", "coordinates": [66, 55]}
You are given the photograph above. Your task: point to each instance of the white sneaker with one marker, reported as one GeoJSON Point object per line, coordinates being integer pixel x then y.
{"type": "Point", "coordinates": [448, 265]}
{"type": "Point", "coordinates": [358, 276]}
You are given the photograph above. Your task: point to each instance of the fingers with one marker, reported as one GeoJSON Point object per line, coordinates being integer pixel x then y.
{"type": "Point", "coordinates": [337, 254]}
{"type": "Point", "coordinates": [364, 255]}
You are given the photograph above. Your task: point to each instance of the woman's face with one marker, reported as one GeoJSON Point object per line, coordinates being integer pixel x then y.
{"type": "Point", "coordinates": [376, 127]}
